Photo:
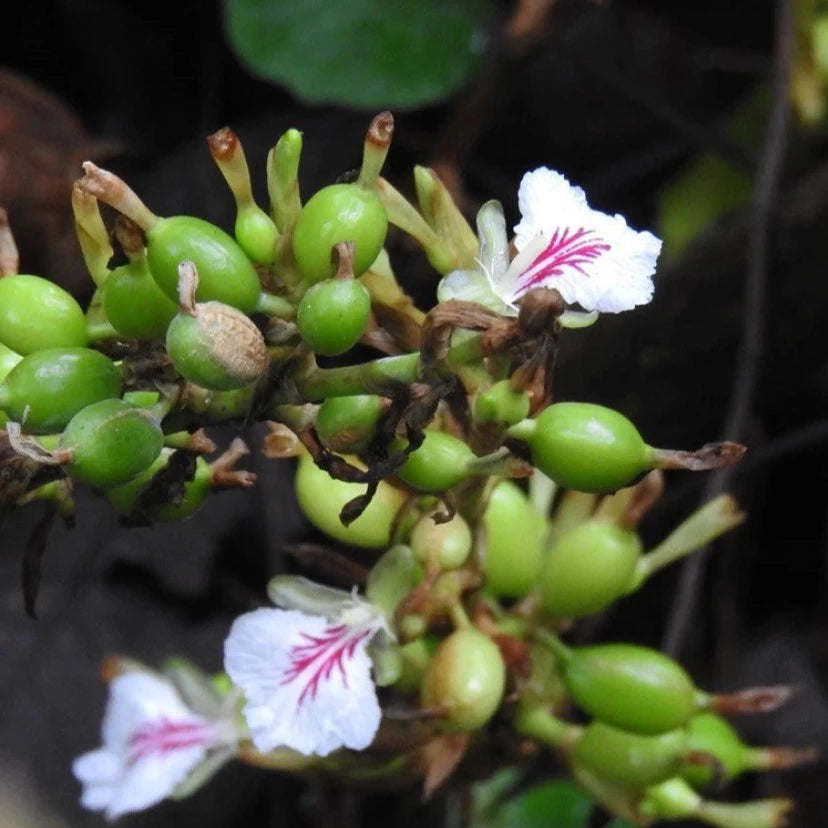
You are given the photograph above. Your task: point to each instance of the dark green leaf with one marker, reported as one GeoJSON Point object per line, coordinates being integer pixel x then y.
{"type": "Point", "coordinates": [365, 53]}
{"type": "Point", "coordinates": [549, 805]}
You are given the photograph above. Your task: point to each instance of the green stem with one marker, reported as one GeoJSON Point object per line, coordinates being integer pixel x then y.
{"type": "Point", "coordinates": [538, 723]}
{"type": "Point", "coordinates": [714, 519]}
{"type": "Point", "coordinates": [274, 305]}
{"type": "Point", "coordinates": [382, 376]}
{"type": "Point", "coordinates": [522, 430]}
{"type": "Point", "coordinates": [100, 331]}
{"type": "Point", "coordinates": [563, 653]}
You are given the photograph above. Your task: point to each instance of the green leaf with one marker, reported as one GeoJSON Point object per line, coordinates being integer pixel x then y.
{"type": "Point", "coordinates": [549, 805]}
{"type": "Point", "coordinates": [363, 53]}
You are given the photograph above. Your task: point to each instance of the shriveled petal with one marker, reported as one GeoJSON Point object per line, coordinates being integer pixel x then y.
{"type": "Point", "coordinates": [307, 681]}
{"type": "Point", "coordinates": [593, 259]}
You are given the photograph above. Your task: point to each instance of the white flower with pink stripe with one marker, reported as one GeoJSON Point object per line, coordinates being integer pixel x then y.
{"type": "Point", "coordinates": [306, 678]}
{"type": "Point", "coordinates": [592, 259]}
{"type": "Point", "coordinates": [151, 743]}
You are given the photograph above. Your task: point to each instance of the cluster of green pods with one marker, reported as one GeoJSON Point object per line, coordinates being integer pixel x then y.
{"type": "Point", "coordinates": [475, 570]}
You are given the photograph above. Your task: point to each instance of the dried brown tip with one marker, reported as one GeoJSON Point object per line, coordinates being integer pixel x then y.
{"type": "Point", "coordinates": [381, 130]}
{"type": "Point", "coordinates": [224, 476]}
{"type": "Point", "coordinates": [709, 457]}
{"type": "Point", "coordinates": [200, 443]}
{"type": "Point", "coordinates": [223, 144]}
{"type": "Point", "coordinates": [9, 257]}
{"type": "Point", "coordinates": [281, 442]}
{"type": "Point", "coordinates": [539, 310]}
{"type": "Point", "coordinates": [187, 286]}
{"type": "Point", "coordinates": [343, 254]}
{"type": "Point", "coordinates": [129, 236]}
{"type": "Point", "coordinates": [753, 700]}
{"type": "Point", "coordinates": [783, 758]}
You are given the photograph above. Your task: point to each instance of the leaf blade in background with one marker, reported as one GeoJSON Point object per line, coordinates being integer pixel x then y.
{"type": "Point", "coordinates": [361, 53]}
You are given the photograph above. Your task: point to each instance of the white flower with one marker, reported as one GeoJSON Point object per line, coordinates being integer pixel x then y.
{"type": "Point", "coordinates": [151, 743]}
{"type": "Point", "coordinates": [591, 258]}
{"type": "Point", "coordinates": [306, 679]}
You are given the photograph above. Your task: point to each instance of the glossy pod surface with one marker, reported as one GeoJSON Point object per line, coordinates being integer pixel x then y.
{"type": "Point", "coordinates": [710, 734]}
{"type": "Point", "coordinates": [347, 424]}
{"type": "Point", "coordinates": [135, 305]}
{"type": "Point", "coordinates": [587, 568]}
{"type": "Point", "coordinates": [630, 758]}
{"type": "Point", "coordinates": [464, 680]}
{"type": "Point", "coordinates": [333, 315]}
{"type": "Point", "coordinates": [514, 542]}
{"type": "Point", "coordinates": [338, 213]}
{"type": "Point", "coordinates": [36, 313]}
{"type": "Point", "coordinates": [587, 447]}
{"type": "Point", "coordinates": [440, 463]}
{"type": "Point", "coordinates": [631, 687]}
{"type": "Point", "coordinates": [111, 442]}
{"type": "Point", "coordinates": [47, 388]}
{"type": "Point", "coordinates": [225, 273]}
{"type": "Point", "coordinates": [321, 498]}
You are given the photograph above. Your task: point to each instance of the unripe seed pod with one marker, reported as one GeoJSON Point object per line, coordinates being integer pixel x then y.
{"type": "Point", "coordinates": [134, 304]}
{"type": "Point", "coordinates": [226, 274]}
{"type": "Point", "coordinates": [440, 463]}
{"type": "Point", "coordinates": [338, 213]}
{"type": "Point", "coordinates": [125, 498]}
{"type": "Point", "coordinates": [347, 424]}
{"type": "Point", "coordinates": [630, 758]}
{"type": "Point", "coordinates": [8, 359]}
{"type": "Point", "coordinates": [36, 313]}
{"type": "Point", "coordinates": [465, 680]}
{"type": "Point", "coordinates": [711, 734]}
{"type": "Point", "coordinates": [514, 542]}
{"type": "Point", "coordinates": [47, 388]}
{"type": "Point", "coordinates": [447, 545]}
{"type": "Point", "coordinates": [587, 568]}
{"type": "Point", "coordinates": [212, 344]}
{"type": "Point", "coordinates": [111, 442]}
{"type": "Point", "coordinates": [333, 315]}
{"type": "Point", "coordinates": [631, 687]}
{"type": "Point", "coordinates": [585, 447]}
{"type": "Point", "coordinates": [501, 404]}
{"type": "Point", "coordinates": [321, 498]}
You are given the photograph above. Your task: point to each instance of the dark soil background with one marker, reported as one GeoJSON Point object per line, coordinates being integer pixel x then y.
{"type": "Point", "coordinates": [619, 95]}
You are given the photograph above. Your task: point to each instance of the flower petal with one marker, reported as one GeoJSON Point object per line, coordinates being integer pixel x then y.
{"type": "Point", "coordinates": [307, 680]}
{"type": "Point", "coordinates": [152, 742]}
{"type": "Point", "coordinates": [591, 258]}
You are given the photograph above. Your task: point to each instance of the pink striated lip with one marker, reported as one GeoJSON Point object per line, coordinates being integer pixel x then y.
{"type": "Point", "coordinates": [567, 248]}
{"type": "Point", "coordinates": [322, 657]}
{"type": "Point", "coordinates": [164, 736]}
